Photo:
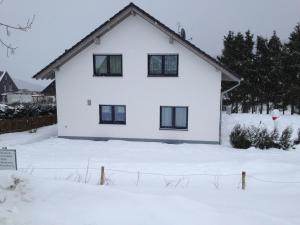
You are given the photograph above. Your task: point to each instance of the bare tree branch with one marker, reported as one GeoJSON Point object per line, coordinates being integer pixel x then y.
{"type": "Point", "coordinates": [9, 49]}
{"type": "Point", "coordinates": [24, 28]}
{"type": "Point", "coordinates": [7, 27]}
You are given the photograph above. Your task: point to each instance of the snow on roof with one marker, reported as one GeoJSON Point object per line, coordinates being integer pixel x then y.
{"type": "Point", "coordinates": [21, 84]}
{"type": "Point", "coordinates": [2, 74]}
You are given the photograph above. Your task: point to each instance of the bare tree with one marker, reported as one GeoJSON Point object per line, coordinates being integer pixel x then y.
{"type": "Point", "coordinates": [10, 49]}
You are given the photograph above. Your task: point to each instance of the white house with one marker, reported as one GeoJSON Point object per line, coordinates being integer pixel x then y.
{"type": "Point", "coordinates": [133, 78]}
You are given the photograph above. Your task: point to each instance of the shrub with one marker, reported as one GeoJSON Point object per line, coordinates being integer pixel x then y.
{"type": "Point", "coordinates": [285, 140]}
{"type": "Point", "coordinates": [260, 137]}
{"type": "Point", "coordinates": [274, 139]}
{"type": "Point", "coordinates": [239, 137]}
{"type": "Point", "coordinates": [26, 110]}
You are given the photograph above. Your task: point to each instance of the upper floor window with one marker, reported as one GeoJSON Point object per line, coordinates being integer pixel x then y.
{"type": "Point", "coordinates": [163, 65]}
{"type": "Point", "coordinates": [173, 117]}
{"type": "Point", "coordinates": [112, 114]}
{"type": "Point", "coordinates": [107, 65]}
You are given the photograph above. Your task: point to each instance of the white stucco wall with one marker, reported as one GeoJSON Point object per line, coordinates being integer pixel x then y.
{"type": "Point", "coordinates": [198, 87]}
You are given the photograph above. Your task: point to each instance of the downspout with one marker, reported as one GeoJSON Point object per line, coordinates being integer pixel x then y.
{"type": "Point", "coordinates": [221, 107]}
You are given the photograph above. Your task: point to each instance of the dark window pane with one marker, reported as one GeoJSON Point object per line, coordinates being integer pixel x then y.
{"type": "Point", "coordinates": [171, 64]}
{"type": "Point", "coordinates": [101, 64]}
{"type": "Point", "coordinates": [166, 117]}
{"type": "Point", "coordinates": [181, 117]}
{"type": "Point", "coordinates": [106, 113]}
{"type": "Point", "coordinates": [115, 64]}
{"type": "Point", "coordinates": [155, 64]}
{"type": "Point", "coordinates": [120, 115]}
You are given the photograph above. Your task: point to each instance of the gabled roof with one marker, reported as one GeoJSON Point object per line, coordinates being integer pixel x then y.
{"type": "Point", "coordinates": [50, 89]}
{"type": "Point", "coordinates": [131, 9]}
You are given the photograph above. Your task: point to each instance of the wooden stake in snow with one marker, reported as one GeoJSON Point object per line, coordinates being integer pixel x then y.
{"type": "Point", "coordinates": [102, 178]}
{"type": "Point", "coordinates": [243, 180]}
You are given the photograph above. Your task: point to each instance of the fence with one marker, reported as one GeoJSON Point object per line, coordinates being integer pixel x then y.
{"type": "Point", "coordinates": [106, 176]}
{"type": "Point", "coordinates": [23, 124]}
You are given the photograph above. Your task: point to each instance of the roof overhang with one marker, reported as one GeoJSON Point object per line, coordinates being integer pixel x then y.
{"type": "Point", "coordinates": [49, 71]}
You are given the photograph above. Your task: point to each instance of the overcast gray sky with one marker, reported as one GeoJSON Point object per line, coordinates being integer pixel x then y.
{"type": "Point", "coordinates": [59, 24]}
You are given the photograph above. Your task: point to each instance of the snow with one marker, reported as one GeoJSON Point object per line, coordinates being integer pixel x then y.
{"type": "Point", "coordinates": [32, 86]}
{"type": "Point", "coordinates": [2, 73]}
{"type": "Point", "coordinates": [4, 107]}
{"type": "Point", "coordinates": [150, 183]}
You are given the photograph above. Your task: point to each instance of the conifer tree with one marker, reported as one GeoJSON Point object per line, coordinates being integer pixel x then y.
{"type": "Point", "coordinates": [292, 69]}
{"type": "Point", "coordinates": [262, 64]}
{"type": "Point", "coordinates": [238, 56]}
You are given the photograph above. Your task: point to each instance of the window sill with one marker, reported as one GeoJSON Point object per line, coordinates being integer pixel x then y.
{"type": "Point", "coordinates": [108, 75]}
{"type": "Point", "coordinates": [151, 75]}
{"type": "Point", "coordinates": [175, 129]}
{"type": "Point", "coordinates": [112, 123]}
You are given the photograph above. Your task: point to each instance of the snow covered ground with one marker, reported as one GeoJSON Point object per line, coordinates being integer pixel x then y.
{"type": "Point", "coordinates": [150, 183]}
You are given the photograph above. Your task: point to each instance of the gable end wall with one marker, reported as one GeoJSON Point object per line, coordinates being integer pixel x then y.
{"type": "Point", "coordinates": [198, 87]}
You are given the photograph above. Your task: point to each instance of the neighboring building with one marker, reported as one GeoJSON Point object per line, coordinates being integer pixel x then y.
{"type": "Point", "coordinates": [24, 92]}
{"type": "Point", "coordinates": [49, 94]}
{"type": "Point", "coordinates": [6, 84]}
{"type": "Point", "coordinates": [20, 96]}
{"type": "Point", "coordinates": [133, 78]}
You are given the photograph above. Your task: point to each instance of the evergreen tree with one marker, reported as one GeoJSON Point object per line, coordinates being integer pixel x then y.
{"type": "Point", "coordinates": [262, 64]}
{"type": "Point", "coordinates": [271, 73]}
{"type": "Point", "coordinates": [238, 56]}
{"type": "Point", "coordinates": [292, 69]}
{"type": "Point", "coordinates": [275, 71]}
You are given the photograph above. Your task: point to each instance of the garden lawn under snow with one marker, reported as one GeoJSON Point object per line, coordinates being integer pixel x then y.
{"type": "Point", "coordinates": [150, 183]}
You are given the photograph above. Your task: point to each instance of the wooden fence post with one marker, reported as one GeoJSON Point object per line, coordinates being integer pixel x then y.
{"type": "Point", "coordinates": [102, 178]}
{"type": "Point", "coordinates": [243, 180]}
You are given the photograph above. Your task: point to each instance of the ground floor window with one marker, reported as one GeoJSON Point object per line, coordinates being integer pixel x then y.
{"type": "Point", "coordinates": [173, 117]}
{"type": "Point", "coordinates": [112, 114]}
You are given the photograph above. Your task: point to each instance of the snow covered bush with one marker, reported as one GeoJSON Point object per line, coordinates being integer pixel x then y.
{"type": "Point", "coordinates": [285, 140]}
{"type": "Point", "coordinates": [263, 139]}
{"type": "Point", "coordinates": [239, 137]}
{"type": "Point", "coordinates": [260, 137]}
{"type": "Point", "coordinates": [26, 110]}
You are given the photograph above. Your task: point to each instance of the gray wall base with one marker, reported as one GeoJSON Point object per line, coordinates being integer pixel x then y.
{"type": "Point", "coordinates": [169, 141]}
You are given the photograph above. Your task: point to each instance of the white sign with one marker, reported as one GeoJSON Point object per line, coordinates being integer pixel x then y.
{"type": "Point", "coordinates": [8, 159]}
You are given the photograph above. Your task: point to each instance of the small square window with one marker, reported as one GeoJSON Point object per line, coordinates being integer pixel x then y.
{"type": "Point", "coordinates": [112, 114]}
{"type": "Point", "coordinates": [163, 65]}
{"type": "Point", "coordinates": [108, 65]}
{"type": "Point", "coordinates": [172, 117]}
